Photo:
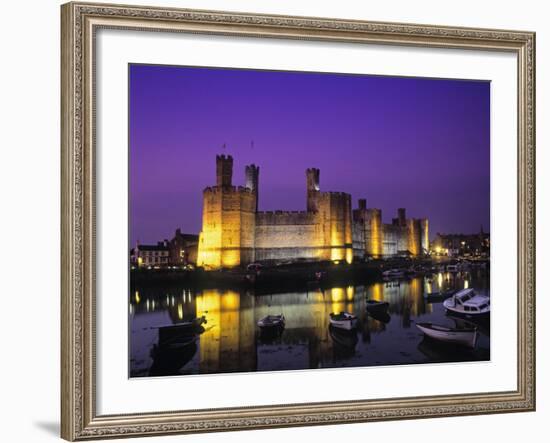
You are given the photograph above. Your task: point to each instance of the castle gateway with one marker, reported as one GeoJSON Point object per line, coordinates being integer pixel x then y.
{"type": "Point", "coordinates": [235, 233]}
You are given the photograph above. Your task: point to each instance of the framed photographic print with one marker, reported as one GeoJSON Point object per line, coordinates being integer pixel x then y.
{"type": "Point", "coordinates": [283, 221]}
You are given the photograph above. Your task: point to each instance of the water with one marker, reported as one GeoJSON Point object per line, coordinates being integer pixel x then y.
{"type": "Point", "coordinates": [232, 342]}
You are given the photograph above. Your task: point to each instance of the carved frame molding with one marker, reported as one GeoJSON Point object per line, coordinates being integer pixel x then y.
{"type": "Point", "coordinates": [79, 24]}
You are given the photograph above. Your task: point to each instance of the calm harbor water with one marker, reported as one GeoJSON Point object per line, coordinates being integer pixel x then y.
{"type": "Point", "coordinates": [232, 342]}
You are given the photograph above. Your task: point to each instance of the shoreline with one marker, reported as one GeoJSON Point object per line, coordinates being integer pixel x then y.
{"type": "Point", "coordinates": [296, 276]}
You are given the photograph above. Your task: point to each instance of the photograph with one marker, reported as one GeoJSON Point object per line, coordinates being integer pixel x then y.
{"type": "Point", "coordinates": [290, 220]}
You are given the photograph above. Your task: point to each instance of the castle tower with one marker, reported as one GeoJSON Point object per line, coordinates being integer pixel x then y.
{"type": "Point", "coordinates": [374, 235]}
{"type": "Point", "coordinates": [228, 222]}
{"type": "Point", "coordinates": [312, 184]}
{"type": "Point", "coordinates": [224, 170]}
{"type": "Point", "coordinates": [252, 175]}
{"type": "Point", "coordinates": [401, 217]}
{"type": "Point", "coordinates": [424, 235]}
{"type": "Point", "coordinates": [414, 237]}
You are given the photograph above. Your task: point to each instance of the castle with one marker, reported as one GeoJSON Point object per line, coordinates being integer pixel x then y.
{"type": "Point", "coordinates": [235, 233]}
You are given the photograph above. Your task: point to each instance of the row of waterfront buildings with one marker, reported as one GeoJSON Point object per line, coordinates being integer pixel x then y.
{"type": "Point", "coordinates": [234, 232]}
{"type": "Point", "coordinates": [180, 251]}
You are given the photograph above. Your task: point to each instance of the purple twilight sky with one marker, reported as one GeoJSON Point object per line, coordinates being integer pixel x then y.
{"type": "Point", "coordinates": [417, 143]}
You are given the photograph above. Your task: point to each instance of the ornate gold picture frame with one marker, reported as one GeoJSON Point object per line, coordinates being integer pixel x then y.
{"type": "Point", "coordinates": [80, 22]}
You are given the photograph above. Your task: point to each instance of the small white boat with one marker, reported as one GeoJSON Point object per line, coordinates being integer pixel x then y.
{"type": "Point", "coordinates": [393, 273]}
{"type": "Point", "coordinates": [343, 320]}
{"type": "Point", "coordinates": [272, 321]}
{"type": "Point", "coordinates": [464, 337]}
{"type": "Point", "coordinates": [342, 338]}
{"type": "Point", "coordinates": [467, 302]}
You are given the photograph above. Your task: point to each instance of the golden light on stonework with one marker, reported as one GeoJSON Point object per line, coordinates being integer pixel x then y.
{"type": "Point", "coordinates": [137, 298]}
{"type": "Point", "coordinates": [336, 243]}
{"type": "Point", "coordinates": [336, 255]}
{"type": "Point", "coordinates": [209, 253]}
{"type": "Point", "coordinates": [412, 238]}
{"type": "Point", "coordinates": [230, 259]}
{"type": "Point", "coordinates": [375, 243]}
{"type": "Point", "coordinates": [180, 311]}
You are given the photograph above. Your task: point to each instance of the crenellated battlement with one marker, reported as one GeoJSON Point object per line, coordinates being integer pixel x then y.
{"type": "Point", "coordinates": [224, 170]}
{"type": "Point", "coordinates": [227, 189]}
{"type": "Point", "coordinates": [336, 194]}
{"type": "Point", "coordinates": [279, 211]}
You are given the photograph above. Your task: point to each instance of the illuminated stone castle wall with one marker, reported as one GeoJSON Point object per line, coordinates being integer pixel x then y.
{"type": "Point", "coordinates": [228, 221]}
{"type": "Point", "coordinates": [235, 233]}
{"type": "Point", "coordinates": [402, 236]}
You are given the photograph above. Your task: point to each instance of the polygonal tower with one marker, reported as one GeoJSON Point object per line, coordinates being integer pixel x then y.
{"type": "Point", "coordinates": [228, 221]}
{"type": "Point", "coordinates": [224, 170]}
{"type": "Point", "coordinates": [312, 186]}
{"type": "Point", "coordinates": [252, 177]}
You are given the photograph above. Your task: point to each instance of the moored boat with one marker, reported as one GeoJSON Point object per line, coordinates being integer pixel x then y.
{"type": "Point", "coordinates": [434, 297]}
{"type": "Point", "coordinates": [377, 307]}
{"type": "Point", "coordinates": [343, 338]}
{"type": "Point", "coordinates": [343, 320]}
{"type": "Point", "coordinates": [462, 336]}
{"type": "Point", "coordinates": [383, 317]}
{"type": "Point", "coordinates": [467, 302]}
{"type": "Point", "coordinates": [179, 334]}
{"type": "Point", "coordinates": [171, 358]}
{"type": "Point", "coordinates": [272, 322]}
{"type": "Point", "coordinates": [393, 273]}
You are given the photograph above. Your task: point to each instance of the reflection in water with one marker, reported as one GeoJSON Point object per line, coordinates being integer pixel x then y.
{"type": "Point", "coordinates": [232, 342]}
{"type": "Point", "coordinates": [168, 361]}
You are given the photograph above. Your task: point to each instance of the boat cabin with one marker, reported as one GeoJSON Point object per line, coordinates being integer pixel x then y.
{"type": "Point", "coordinates": [469, 302]}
